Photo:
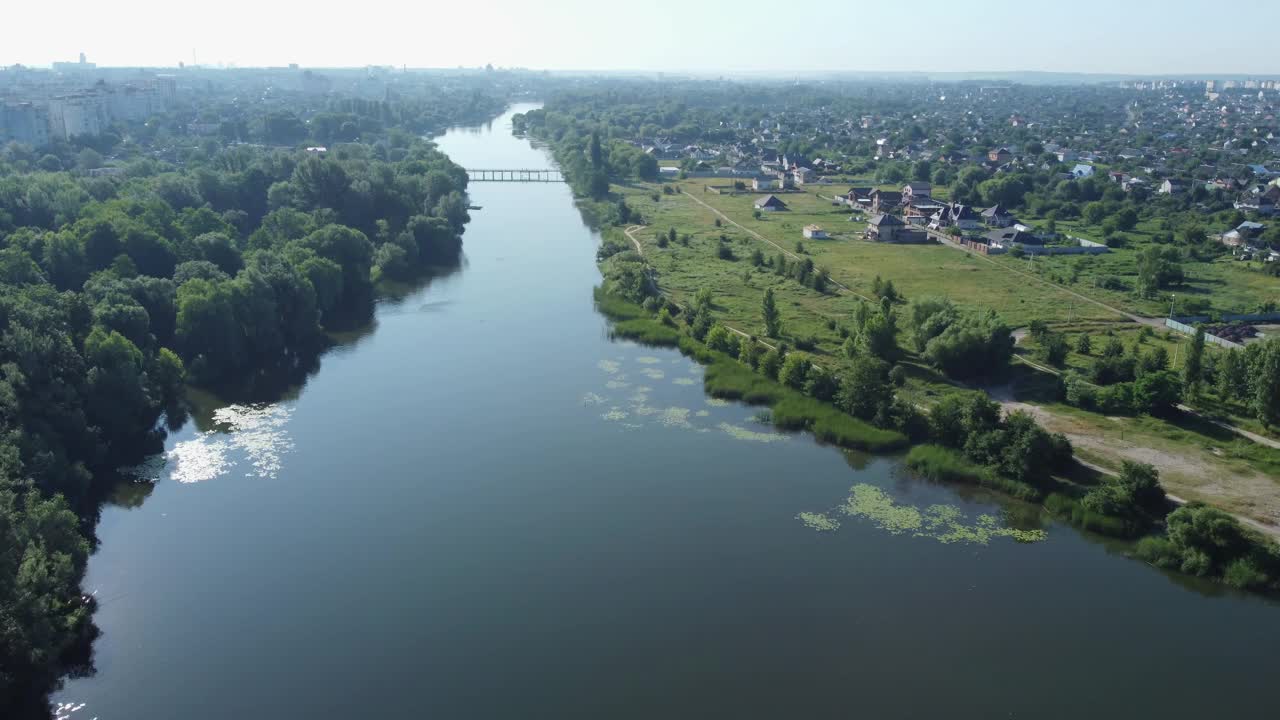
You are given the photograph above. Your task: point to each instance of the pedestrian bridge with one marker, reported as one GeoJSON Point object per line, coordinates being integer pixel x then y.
{"type": "Point", "coordinates": [516, 175]}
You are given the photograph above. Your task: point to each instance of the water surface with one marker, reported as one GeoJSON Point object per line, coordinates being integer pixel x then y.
{"type": "Point", "coordinates": [482, 507]}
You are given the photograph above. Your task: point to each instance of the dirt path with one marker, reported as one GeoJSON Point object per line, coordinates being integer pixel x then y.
{"type": "Point", "coordinates": [1260, 439]}
{"type": "Point", "coordinates": [1178, 470]}
{"type": "Point", "coordinates": [628, 231]}
{"type": "Point", "coordinates": [1255, 437]}
{"type": "Point", "coordinates": [1154, 322]}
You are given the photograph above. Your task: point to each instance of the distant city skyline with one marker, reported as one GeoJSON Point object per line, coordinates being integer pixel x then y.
{"type": "Point", "coordinates": [741, 37]}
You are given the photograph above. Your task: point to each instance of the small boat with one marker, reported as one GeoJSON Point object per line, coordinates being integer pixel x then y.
{"type": "Point", "coordinates": [474, 207]}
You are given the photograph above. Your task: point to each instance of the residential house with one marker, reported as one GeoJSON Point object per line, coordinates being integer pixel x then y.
{"type": "Point", "coordinates": [1134, 183]}
{"type": "Point", "coordinates": [764, 182]}
{"type": "Point", "coordinates": [999, 156]}
{"type": "Point", "coordinates": [956, 215]}
{"type": "Point", "coordinates": [803, 175]}
{"type": "Point", "coordinates": [918, 210]}
{"type": "Point", "coordinates": [1082, 171]}
{"type": "Point", "coordinates": [885, 228]}
{"type": "Point", "coordinates": [885, 200]}
{"type": "Point", "coordinates": [1228, 184]}
{"type": "Point", "coordinates": [917, 190]}
{"type": "Point", "coordinates": [996, 216]}
{"type": "Point", "coordinates": [858, 197]}
{"type": "Point", "coordinates": [1169, 187]}
{"type": "Point", "coordinates": [814, 232]}
{"type": "Point", "coordinates": [1008, 237]}
{"type": "Point", "coordinates": [1261, 204]}
{"type": "Point", "coordinates": [770, 203]}
{"type": "Point", "coordinates": [1250, 230]}
{"type": "Point", "coordinates": [1065, 155]}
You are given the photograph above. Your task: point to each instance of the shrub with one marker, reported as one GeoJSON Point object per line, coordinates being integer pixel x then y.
{"type": "Point", "coordinates": [1077, 514]}
{"type": "Point", "coordinates": [898, 376]}
{"type": "Point", "coordinates": [946, 465]}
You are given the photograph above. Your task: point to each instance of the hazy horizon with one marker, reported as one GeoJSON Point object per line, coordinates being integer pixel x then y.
{"type": "Point", "coordinates": [710, 38]}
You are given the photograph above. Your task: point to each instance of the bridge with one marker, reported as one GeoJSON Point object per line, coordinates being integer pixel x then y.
{"type": "Point", "coordinates": [521, 175]}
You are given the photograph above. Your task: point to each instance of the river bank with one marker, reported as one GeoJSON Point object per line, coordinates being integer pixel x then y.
{"type": "Point", "coordinates": [487, 485]}
{"type": "Point", "coordinates": [1100, 503]}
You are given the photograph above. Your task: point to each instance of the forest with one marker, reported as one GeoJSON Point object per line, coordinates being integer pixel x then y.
{"type": "Point", "coordinates": [118, 290]}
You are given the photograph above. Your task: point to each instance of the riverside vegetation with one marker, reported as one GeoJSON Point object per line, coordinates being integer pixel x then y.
{"type": "Point", "coordinates": [117, 291]}
{"type": "Point", "coordinates": [851, 397]}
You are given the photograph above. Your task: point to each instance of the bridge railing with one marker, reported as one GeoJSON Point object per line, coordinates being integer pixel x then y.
{"type": "Point", "coordinates": [515, 175]}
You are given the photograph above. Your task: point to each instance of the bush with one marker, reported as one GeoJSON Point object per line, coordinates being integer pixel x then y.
{"type": "Point", "coordinates": [797, 412]}
{"type": "Point", "coordinates": [946, 465]}
{"type": "Point", "coordinates": [1159, 551]}
{"type": "Point", "coordinates": [1082, 517]}
{"type": "Point", "coordinates": [1243, 574]}
{"type": "Point", "coordinates": [898, 376]}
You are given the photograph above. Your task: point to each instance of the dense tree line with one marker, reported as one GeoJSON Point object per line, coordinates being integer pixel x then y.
{"type": "Point", "coordinates": [115, 291]}
{"type": "Point", "coordinates": [587, 156]}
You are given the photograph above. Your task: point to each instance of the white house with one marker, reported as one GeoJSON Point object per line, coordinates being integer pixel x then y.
{"type": "Point", "coordinates": [814, 232]}
{"type": "Point", "coordinates": [764, 183]}
{"type": "Point", "coordinates": [1082, 171]}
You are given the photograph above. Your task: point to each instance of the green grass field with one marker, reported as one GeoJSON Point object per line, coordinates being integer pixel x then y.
{"type": "Point", "coordinates": [1225, 285]}
{"type": "Point", "coordinates": [916, 270]}
{"type": "Point", "coordinates": [1196, 460]}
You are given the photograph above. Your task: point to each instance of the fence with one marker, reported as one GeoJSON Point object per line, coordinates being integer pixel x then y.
{"type": "Point", "coordinates": [960, 242]}
{"type": "Point", "coordinates": [1212, 339]}
{"type": "Point", "coordinates": [1064, 249]}
{"type": "Point", "coordinates": [1246, 317]}
{"type": "Point", "coordinates": [1086, 243]}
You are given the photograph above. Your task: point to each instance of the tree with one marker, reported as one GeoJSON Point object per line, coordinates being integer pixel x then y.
{"type": "Point", "coordinates": [1157, 268]}
{"type": "Point", "coordinates": [1233, 375]}
{"type": "Point", "coordinates": [1157, 393]}
{"type": "Point", "coordinates": [594, 151]}
{"type": "Point", "coordinates": [208, 332]}
{"type": "Point", "coordinates": [1193, 366]}
{"type": "Point", "coordinates": [772, 319]}
{"type": "Point", "coordinates": [770, 363]}
{"type": "Point", "coordinates": [1084, 344]}
{"type": "Point", "coordinates": [351, 251]}
{"type": "Point", "coordinates": [1126, 219]}
{"type": "Point", "coordinates": [1055, 348]}
{"type": "Point", "coordinates": [879, 336]}
{"type": "Point", "coordinates": [1113, 347]}
{"type": "Point", "coordinates": [117, 399]}
{"type": "Point", "coordinates": [721, 339]}
{"type": "Point", "coordinates": [795, 370]}
{"type": "Point", "coordinates": [865, 389]}
{"type": "Point", "coordinates": [929, 317]}
{"type": "Point", "coordinates": [1264, 374]}
{"type": "Point", "coordinates": [1141, 484]}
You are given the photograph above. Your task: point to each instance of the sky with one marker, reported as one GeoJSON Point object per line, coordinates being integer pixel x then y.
{"type": "Point", "coordinates": [1129, 37]}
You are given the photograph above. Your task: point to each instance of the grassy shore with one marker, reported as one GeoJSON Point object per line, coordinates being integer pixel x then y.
{"type": "Point", "coordinates": [1196, 459]}
{"type": "Point", "coordinates": [728, 379]}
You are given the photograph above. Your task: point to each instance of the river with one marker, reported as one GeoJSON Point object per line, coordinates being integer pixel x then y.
{"type": "Point", "coordinates": [484, 507]}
